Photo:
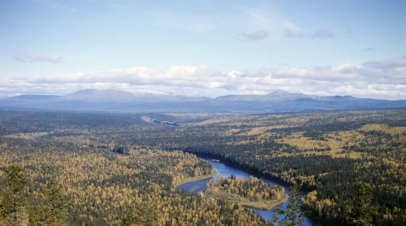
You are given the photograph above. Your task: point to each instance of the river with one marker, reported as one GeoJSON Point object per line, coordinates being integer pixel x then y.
{"type": "Point", "coordinates": [226, 171]}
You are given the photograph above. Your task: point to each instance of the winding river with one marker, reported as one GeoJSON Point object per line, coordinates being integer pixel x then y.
{"type": "Point", "coordinates": [226, 171]}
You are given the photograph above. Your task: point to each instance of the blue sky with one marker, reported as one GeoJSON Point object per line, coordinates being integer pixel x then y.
{"type": "Point", "coordinates": [204, 47]}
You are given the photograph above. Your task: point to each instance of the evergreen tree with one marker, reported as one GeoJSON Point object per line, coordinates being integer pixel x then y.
{"type": "Point", "coordinates": [362, 209]}
{"type": "Point", "coordinates": [142, 215]}
{"type": "Point", "coordinates": [14, 197]}
{"type": "Point", "coordinates": [2, 213]}
{"type": "Point", "coordinates": [128, 217]}
{"type": "Point", "coordinates": [53, 209]}
{"type": "Point", "coordinates": [293, 213]}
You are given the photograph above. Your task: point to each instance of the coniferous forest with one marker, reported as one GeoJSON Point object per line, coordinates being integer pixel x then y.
{"type": "Point", "coordinates": [113, 168]}
{"type": "Point", "coordinates": [252, 193]}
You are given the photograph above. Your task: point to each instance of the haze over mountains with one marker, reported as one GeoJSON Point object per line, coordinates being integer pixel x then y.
{"type": "Point", "coordinates": [128, 96]}
{"type": "Point", "coordinates": [153, 101]}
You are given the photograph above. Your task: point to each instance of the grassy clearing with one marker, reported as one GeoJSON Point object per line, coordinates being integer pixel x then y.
{"type": "Point", "coordinates": [335, 141]}
{"type": "Point", "coordinates": [27, 135]}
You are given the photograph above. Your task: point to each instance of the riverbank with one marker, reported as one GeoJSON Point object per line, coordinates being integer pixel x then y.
{"type": "Point", "coordinates": [221, 159]}
{"type": "Point", "coordinates": [233, 198]}
{"type": "Point", "coordinates": [191, 179]}
{"type": "Point", "coordinates": [226, 170]}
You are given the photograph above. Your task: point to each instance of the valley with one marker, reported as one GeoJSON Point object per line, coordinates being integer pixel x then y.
{"type": "Point", "coordinates": [326, 153]}
{"type": "Point", "coordinates": [202, 113]}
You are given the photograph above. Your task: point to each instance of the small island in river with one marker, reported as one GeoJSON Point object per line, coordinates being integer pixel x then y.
{"type": "Point", "coordinates": [252, 193]}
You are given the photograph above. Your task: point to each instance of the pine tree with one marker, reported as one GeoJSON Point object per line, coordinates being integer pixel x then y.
{"type": "Point", "coordinates": [362, 209]}
{"type": "Point", "coordinates": [14, 197]}
{"type": "Point", "coordinates": [293, 213]}
{"type": "Point", "coordinates": [53, 209]}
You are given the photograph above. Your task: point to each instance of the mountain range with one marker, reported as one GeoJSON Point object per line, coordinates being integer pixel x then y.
{"type": "Point", "coordinates": [152, 101]}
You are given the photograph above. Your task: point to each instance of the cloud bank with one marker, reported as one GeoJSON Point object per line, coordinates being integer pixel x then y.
{"type": "Point", "coordinates": [384, 79]}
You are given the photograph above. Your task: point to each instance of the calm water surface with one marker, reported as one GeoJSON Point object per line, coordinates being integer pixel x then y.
{"type": "Point", "coordinates": [226, 171]}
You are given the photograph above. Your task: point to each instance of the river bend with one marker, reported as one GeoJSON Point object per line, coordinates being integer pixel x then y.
{"type": "Point", "coordinates": [226, 171]}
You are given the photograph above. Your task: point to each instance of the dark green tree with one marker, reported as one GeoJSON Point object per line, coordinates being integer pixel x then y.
{"type": "Point", "coordinates": [14, 197]}
{"type": "Point", "coordinates": [128, 217]}
{"type": "Point", "coordinates": [2, 213]}
{"type": "Point", "coordinates": [54, 209]}
{"type": "Point", "coordinates": [142, 215]}
{"type": "Point", "coordinates": [292, 213]}
{"type": "Point", "coordinates": [362, 210]}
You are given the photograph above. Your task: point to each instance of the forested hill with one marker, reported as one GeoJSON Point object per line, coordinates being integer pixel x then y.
{"type": "Point", "coordinates": [100, 187]}
{"type": "Point", "coordinates": [327, 153]}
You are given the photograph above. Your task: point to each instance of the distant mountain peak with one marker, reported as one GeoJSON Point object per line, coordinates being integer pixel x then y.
{"type": "Point", "coordinates": [150, 92]}
{"type": "Point", "coordinates": [346, 96]}
{"type": "Point", "coordinates": [149, 101]}
{"type": "Point", "coordinates": [279, 92]}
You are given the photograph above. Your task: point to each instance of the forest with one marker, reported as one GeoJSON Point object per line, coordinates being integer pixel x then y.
{"type": "Point", "coordinates": [250, 193]}
{"type": "Point", "coordinates": [133, 161]}
{"type": "Point", "coordinates": [100, 186]}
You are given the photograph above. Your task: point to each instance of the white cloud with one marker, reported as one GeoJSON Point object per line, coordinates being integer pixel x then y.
{"type": "Point", "coordinates": [27, 58]}
{"type": "Point", "coordinates": [387, 64]}
{"type": "Point", "coordinates": [377, 79]}
{"type": "Point", "coordinates": [24, 58]}
{"type": "Point", "coordinates": [323, 34]}
{"type": "Point", "coordinates": [256, 35]}
{"type": "Point", "coordinates": [343, 73]}
{"type": "Point", "coordinates": [49, 59]}
{"type": "Point", "coordinates": [267, 19]}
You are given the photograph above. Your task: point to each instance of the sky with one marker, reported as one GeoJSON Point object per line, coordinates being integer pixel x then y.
{"type": "Point", "coordinates": [204, 47]}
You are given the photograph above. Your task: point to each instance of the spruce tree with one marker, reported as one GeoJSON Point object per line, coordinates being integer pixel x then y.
{"type": "Point", "coordinates": [2, 213]}
{"type": "Point", "coordinates": [362, 209]}
{"type": "Point", "coordinates": [54, 209]}
{"type": "Point", "coordinates": [128, 218]}
{"type": "Point", "coordinates": [14, 197]}
{"type": "Point", "coordinates": [143, 215]}
{"type": "Point", "coordinates": [293, 213]}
